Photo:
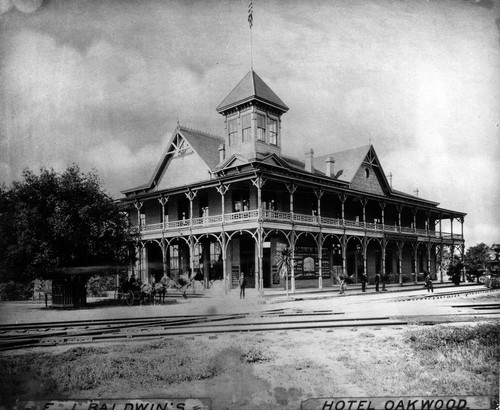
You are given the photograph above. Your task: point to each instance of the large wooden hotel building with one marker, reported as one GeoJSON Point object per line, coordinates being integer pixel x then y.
{"type": "Point", "coordinates": [217, 207]}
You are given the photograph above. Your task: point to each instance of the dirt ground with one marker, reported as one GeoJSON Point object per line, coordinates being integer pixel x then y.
{"type": "Point", "coordinates": [305, 364]}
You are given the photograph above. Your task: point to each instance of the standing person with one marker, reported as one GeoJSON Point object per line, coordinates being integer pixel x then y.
{"type": "Point", "coordinates": [343, 283]}
{"type": "Point", "coordinates": [363, 282]}
{"type": "Point", "coordinates": [164, 283]}
{"type": "Point", "coordinates": [242, 282]}
{"type": "Point", "coordinates": [428, 282]}
{"type": "Point", "coordinates": [377, 281]}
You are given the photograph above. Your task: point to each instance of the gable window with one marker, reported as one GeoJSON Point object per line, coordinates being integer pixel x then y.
{"type": "Point", "coordinates": [233, 132]}
{"type": "Point", "coordinates": [247, 128]}
{"type": "Point", "coordinates": [273, 132]}
{"type": "Point", "coordinates": [367, 172]}
{"type": "Point", "coordinates": [261, 127]}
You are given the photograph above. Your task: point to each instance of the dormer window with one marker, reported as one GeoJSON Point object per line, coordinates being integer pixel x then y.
{"type": "Point", "coordinates": [233, 132]}
{"type": "Point", "coordinates": [247, 128]}
{"type": "Point", "coordinates": [273, 132]}
{"type": "Point", "coordinates": [261, 127]}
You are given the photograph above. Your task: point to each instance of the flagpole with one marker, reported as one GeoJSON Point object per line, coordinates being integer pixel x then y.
{"type": "Point", "coordinates": [250, 23]}
{"type": "Point", "coordinates": [251, 50]}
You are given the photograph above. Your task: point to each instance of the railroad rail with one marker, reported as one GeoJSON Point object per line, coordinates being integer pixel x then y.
{"type": "Point", "coordinates": [442, 295]}
{"type": "Point", "coordinates": [17, 336]}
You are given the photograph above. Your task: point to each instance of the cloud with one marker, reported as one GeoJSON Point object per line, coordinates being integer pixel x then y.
{"type": "Point", "coordinates": [100, 83]}
{"type": "Point", "coordinates": [25, 6]}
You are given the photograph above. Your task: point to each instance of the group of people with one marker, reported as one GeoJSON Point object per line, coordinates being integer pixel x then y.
{"type": "Point", "coordinates": [344, 280]}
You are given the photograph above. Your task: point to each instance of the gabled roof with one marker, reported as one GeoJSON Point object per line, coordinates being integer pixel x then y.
{"type": "Point", "coordinates": [204, 144]}
{"type": "Point", "coordinates": [347, 161]}
{"type": "Point", "coordinates": [251, 87]}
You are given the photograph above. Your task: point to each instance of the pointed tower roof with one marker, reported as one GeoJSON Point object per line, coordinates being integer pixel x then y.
{"type": "Point", "coordinates": [251, 87]}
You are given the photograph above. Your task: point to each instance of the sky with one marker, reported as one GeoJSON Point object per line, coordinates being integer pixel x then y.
{"type": "Point", "coordinates": [103, 84]}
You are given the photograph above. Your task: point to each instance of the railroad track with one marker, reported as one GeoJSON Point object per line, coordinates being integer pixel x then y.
{"type": "Point", "coordinates": [443, 295]}
{"type": "Point", "coordinates": [28, 335]}
{"type": "Point", "coordinates": [66, 333]}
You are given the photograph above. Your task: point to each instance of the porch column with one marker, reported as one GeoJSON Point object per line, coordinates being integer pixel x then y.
{"type": "Point", "coordinates": [383, 275]}
{"type": "Point", "coordinates": [441, 258]}
{"type": "Point", "coordinates": [343, 198]}
{"type": "Point", "coordinates": [206, 262]}
{"type": "Point", "coordinates": [319, 193]}
{"type": "Point", "coordinates": [364, 201]}
{"type": "Point", "coordinates": [382, 207]}
{"type": "Point", "coordinates": [427, 223]}
{"type": "Point", "coordinates": [222, 189]}
{"type": "Point", "coordinates": [191, 257]}
{"type": "Point", "coordinates": [291, 189]}
{"type": "Point", "coordinates": [365, 251]}
{"type": "Point", "coordinates": [440, 226]}
{"type": "Point", "coordinates": [429, 246]}
{"type": "Point", "coordinates": [190, 194]}
{"type": "Point", "coordinates": [163, 201]}
{"type": "Point", "coordinates": [415, 261]}
{"type": "Point", "coordinates": [164, 255]}
{"type": "Point", "coordinates": [227, 283]}
{"type": "Point", "coordinates": [344, 253]}
{"type": "Point", "coordinates": [462, 226]}
{"type": "Point", "coordinates": [320, 259]}
{"type": "Point", "coordinates": [260, 240]}
{"type": "Point", "coordinates": [138, 206]}
{"type": "Point", "coordinates": [400, 265]}
{"type": "Point", "coordinates": [292, 244]}
{"type": "Point", "coordinates": [399, 208]}
{"type": "Point", "coordinates": [414, 210]}
{"type": "Point", "coordinates": [451, 227]}
{"type": "Point", "coordinates": [259, 182]}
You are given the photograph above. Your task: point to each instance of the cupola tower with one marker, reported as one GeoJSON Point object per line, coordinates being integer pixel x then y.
{"type": "Point", "coordinates": [252, 113]}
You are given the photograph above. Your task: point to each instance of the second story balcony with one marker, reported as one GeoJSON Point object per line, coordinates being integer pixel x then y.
{"type": "Point", "coordinates": [233, 219]}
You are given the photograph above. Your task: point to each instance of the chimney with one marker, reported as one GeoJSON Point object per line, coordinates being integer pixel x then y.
{"type": "Point", "coordinates": [309, 155]}
{"type": "Point", "coordinates": [330, 168]}
{"type": "Point", "coordinates": [222, 153]}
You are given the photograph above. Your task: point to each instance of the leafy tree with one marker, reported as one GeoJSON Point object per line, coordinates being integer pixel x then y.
{"type": "Point", "coordinates": [53, 221]}
{"type": "Point", "coordinates": [284, 262]}
{"type": "Point", "coordinates": [476, 258]}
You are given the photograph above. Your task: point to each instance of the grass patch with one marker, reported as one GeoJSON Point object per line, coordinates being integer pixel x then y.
{"type": "Point", "coordinates": [148, 365]}
{"type": "Point", "coordinates": [439, 360]}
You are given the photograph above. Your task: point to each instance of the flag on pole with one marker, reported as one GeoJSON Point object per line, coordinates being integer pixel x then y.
{"type": "Point", "coordinates": [250, 13]}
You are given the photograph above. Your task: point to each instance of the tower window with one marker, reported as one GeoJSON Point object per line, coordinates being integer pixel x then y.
{"type": "Point", "coordinates": [261, 127]}
{"type": "Point", "coordinates": [273, 132]}
{"type": "Point", "coordinates": [233, 132]}
{"type": "Point", "coordinates": [247, 128]}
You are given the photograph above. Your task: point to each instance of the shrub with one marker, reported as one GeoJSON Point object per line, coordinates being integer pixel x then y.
{"type": "Point", "coordinates": [99, 285]}
{"type": "Point", "coordinates": [15, 291]}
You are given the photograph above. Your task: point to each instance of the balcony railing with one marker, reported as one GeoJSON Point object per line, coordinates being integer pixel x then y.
{"type": "Point", "coordinates": [287, 217]}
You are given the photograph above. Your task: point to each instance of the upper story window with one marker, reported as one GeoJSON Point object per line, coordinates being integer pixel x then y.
{"type": "Point", "coordinates": [247, 128]}
{"type": "Point", "coordinates": [273, 132]}
{"type": "Point", "coordinates": [233, 132]}
{"type": "Point", "coordinates": [261, 127]}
